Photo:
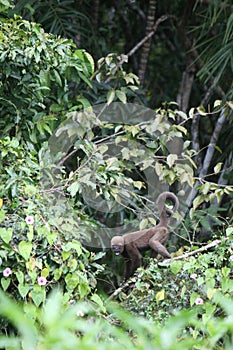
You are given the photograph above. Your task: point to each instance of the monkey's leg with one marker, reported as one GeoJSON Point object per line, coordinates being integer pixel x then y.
{"type": "Point", "coordinates": [153, 254]}
{"type": "Point", "coordinates": [159, 248]}
{"type": "Point", "coordinates": [135, 259]}
{"type": "Point", "coordinates": [128, 269]}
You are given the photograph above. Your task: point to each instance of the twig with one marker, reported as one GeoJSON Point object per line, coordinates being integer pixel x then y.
{"type": "Point", "coordinates": [148, 36]}
{"type": "Point", "coordinates": [120, 289]}
{"type": "Point", "coordinates": [210, 152]}
{"type": "Point", "coordinates": [141, 43]}
{"type": "Point", "coordinates": [184, 256]}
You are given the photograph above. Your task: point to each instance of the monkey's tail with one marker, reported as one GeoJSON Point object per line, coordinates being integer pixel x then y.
{"type": "Point", "coordinates": [163, 197]}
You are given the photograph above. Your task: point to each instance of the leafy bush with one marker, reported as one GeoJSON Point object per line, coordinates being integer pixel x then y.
{"type": "Point", "coordinates": [94, 326]}
{"type": "Point", "coordinates": [39, 76]}
{"type": "Point", "coordinates": [183, 283]}
{"type": "Point", "coordinates": [46, 81]}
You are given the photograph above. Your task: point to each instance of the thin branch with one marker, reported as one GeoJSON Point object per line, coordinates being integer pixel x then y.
{"type": "Point", "coordinates": [209, 153]}
{"type": "Point", "coordinates": [194, 252]}
{"type": "Point", "coordinates": [213, 141]}
{"type": "Point", "coordinates": [149, 35]}
{"type": "Point", "coordinates": [141, 43]}
{"type": "Point", "coordinates": [120, 289]}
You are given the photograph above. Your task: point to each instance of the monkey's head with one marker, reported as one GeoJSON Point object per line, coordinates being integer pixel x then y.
{"type": "Point", "coordinates": [117, 245]}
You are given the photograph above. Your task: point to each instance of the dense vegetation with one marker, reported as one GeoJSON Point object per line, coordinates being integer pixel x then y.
{"type": "Point", "coordinates": [86, 145]}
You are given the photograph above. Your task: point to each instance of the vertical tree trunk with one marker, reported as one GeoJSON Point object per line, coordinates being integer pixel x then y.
{"type": "Point", "coordinates": [146, 47]}
{"type": "Point", "coordinates": [95, 16]}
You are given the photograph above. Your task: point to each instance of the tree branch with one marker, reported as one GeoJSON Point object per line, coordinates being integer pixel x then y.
{"type": "Point", "coordinates": [120, 289]}
{"type": "Point", "coordinates": [149, 35]}
{"type": "Point", "coordinates": [209, 153]}
{"type": "Point", "coordinates": [194, 252]}
{"type": "Point", "coordinates": [136, 47]}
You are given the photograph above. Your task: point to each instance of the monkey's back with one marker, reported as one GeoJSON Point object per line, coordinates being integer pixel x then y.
{"type": "Point", "coordinates": [141, 238]}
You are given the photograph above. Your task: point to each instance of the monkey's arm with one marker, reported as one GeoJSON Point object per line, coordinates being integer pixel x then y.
{"type": "Point", "coordinates": [156, 243]}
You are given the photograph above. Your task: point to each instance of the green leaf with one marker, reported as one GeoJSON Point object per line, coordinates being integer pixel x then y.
{"type": "Point", "coordinates": [160, 296]}
{"type": "Point", "coordinates": [217, 103]}
{"type": "Point", "coordinates": [217, 168]}
{"type": "Point", "coordinates": [20, 277]}
{"type": "Point", "coordinates": [83, 289]}
{"type": "Point", "coordinates": [72, 281]}
{"type": "Point", "coordinates": [6, 234]}
{"type": "Point", "coordinates": [65, 255]}
{"type": "Point", "coordinates": [38, 295]}
{"type": "Point", "coordinates": [121, 95]}
{"type": "Point", "coordinates": [51, 237]}
{"type": "Point", "coordinates": [30, 233]}
{"type": "Point", "coordinates": [74, 245]}
{"type": "Point", "coordinates": [230, 104]}
{"type": "Point", "coordinates": [176, 266]}
{"type": "Point", "coordinates": [25, 249]}
{"type": "Point", "coordinates": [125, 153]}
{"type": "Point", "coordinates": [85, 79]}
{"type": "Point", "coordinates": [5, 282]}
{"type": "Point", "coordinates": [171, 159]}
{"type": "Point", "coordinates": [98, 301]}
{"type": "Point", "coordinates": [229, 231]}
{"type": "Point", "coordinates": [143, 224]}
{"type": "Point", "coordinates": [73, 188]}
{"type": "Point", "coordinates": [43, 230]}
{"type": "Point", "coordinates": [23, 289]}
{"type": "Point", "coordinates": [91, 61]}
{"type": "Point", "coordinates": [44, 78]}
{"type": "Point", "coordinates": [57, 273]}
{"type": "Point", "coordinates": [110, 96]}
{"type": "Point", "coordinates": [197, 201]}
{"type": "Point", "coordinates": [57, 77]}
{"type": "Point", "coordinates": [201, 111]}
{"type": "Point", "coordinates": [193, 297]}
{"type": "Point", "coordinates": [2, 215]}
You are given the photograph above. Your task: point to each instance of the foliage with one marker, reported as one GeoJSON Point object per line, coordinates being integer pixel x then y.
{"type": "Point", "coordinates": [196, 37]}
{"type": "Point", "coordinates": [36, 73]}
{"type": "Point", "coordinates": [35, 257]}
{"type": "Point", "coordinates": [58, 17]}
{"type": "Point", "coordinates": [58, 326]}
{"type": "Point", "coordinates": [183, 284]}
{"type": "Point", "coordinates": [51, 198]}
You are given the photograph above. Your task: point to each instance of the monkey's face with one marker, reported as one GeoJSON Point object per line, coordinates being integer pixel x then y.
{"type": "Point", "coordinates": [117, 245]}
{"type": "Point", "coordinates": [117, 249]}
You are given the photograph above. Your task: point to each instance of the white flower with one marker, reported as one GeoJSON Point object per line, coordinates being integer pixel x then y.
{"type": "Point", "coordinates": [7, 272]}
{"type": "Point", "coordinates": [29, 220]}
{"type": "Point", "coordinates": [42, 281]}
{"type": "Point", "coordinates": [199, 301]}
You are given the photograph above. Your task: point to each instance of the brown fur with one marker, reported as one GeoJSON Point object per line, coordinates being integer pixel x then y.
{"type": "Point", "coordinates": [130, 244]}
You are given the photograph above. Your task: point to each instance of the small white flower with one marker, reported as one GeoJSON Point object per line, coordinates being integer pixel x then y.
{"type": "Point", "coordinates": [80, 313]}
{"type": "Point", "coordinates": [7, 272]}
{"type": "Point", "coordinates": [29, 220]}
{"type": "Point", "coordinates": [42, 281]}
{"type": "Point", "coordinates": [199, 301]}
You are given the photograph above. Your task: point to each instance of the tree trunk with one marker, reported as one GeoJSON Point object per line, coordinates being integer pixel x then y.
{"type": "Point", "coordinates": [146, 47]}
